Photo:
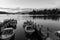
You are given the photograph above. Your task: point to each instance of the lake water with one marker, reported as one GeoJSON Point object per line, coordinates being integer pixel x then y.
{"type": "Point", "coordinates": [46, 22]}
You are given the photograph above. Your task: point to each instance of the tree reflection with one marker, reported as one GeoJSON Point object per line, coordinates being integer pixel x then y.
{"type": "Point", "coordinates": [46, 17]}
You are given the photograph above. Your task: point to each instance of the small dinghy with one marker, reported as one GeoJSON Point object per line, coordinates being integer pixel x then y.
{"type": "Point", "coordinates": [28, 26]}
{"type": "Point", "coordinates": [33, 31]}
{"type": "Point", "coordinates": [8, 28]}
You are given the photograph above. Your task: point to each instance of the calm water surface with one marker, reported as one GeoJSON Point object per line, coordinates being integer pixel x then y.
{"type": "Point", "coordinates": [52, 24]}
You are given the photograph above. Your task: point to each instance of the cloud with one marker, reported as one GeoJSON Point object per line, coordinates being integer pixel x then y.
{"type": "Point", "coordinates": [29, 3]}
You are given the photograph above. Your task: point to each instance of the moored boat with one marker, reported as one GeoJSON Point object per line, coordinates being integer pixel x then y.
{"type": "Point", "coordinates": [8, 28]}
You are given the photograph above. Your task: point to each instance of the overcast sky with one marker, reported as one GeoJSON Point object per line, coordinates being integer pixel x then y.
{"type": "Point", "coordinates": [30, 3]}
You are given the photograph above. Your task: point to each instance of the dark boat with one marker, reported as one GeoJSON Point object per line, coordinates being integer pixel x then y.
{"type": "Point", "coordinates": [7, 29]}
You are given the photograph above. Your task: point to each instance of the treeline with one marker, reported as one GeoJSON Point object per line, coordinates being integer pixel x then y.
{"type": "Point", "coordinates": [46, 12]}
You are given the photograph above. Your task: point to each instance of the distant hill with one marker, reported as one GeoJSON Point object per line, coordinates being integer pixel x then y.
{"type": "Point", "coordinates": [30, 11]}
{"type": "Point", "coordinates": [15, 10]}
